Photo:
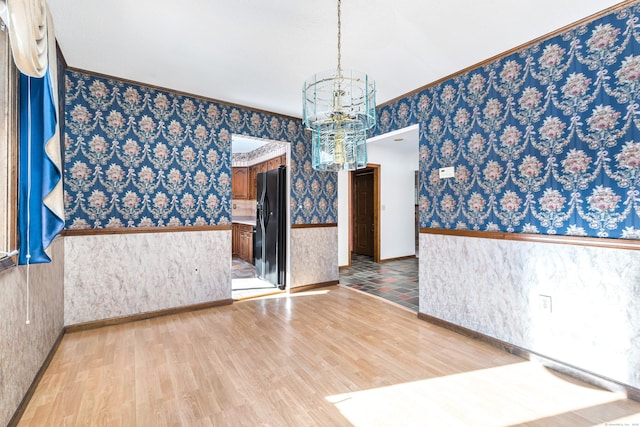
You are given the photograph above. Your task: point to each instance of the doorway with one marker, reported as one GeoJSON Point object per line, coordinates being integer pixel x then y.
{"type": "Point", "coordinates": [365, 221]}
{"type": "Point", "coordinates": [252, 159]}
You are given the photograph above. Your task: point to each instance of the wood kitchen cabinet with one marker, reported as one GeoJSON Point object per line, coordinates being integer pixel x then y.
{"type": "Point", "coordinates": [254, 170]}
{"type": "Point", "coordinates": [242, 241]}
{"type": "Point", "coordinates": [246, 243]}
{"type": "Point", "coordinates": [273, 163]}
{"type": "Point", "coordinates": [240, 183]}
{"type": "Point", "coordinates": [235, 237]}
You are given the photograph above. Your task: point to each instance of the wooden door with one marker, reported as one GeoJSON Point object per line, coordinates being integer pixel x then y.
{"type": "Point", "coordinates": [363, 239]}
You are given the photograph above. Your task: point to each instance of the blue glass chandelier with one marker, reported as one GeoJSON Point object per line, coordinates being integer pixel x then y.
{"type": "Point", "coordinates": [339, 107]}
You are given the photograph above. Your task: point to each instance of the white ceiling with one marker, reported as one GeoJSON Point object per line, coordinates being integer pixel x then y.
{"type": "Point", "coordinates": [258, 53]}
{"type": "Point", "coordinates": [245, 144]}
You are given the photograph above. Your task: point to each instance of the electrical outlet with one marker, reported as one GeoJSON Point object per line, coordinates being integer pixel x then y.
{"type": "Point", "coordinates": [448, 172]}
{"type": "Point", "coordinates": [545, 303]}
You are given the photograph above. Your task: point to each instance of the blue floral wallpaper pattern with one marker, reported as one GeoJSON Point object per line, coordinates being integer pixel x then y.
{"type": "Point", "coordinates": [545, 140]}
{"type": "Point", "coordinates": [137, 156]}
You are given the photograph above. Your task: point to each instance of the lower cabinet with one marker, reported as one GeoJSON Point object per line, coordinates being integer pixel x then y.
{"type": "Point", "coordinates": [235, 235]}
{"type": "Point", "coordinates": [242, 241]}
{"type": "Point", "coordinates": [246, 244]}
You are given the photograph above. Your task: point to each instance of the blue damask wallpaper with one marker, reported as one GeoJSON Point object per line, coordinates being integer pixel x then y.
{"type": "Point", "coordinates": [137, 156]}
{"type": "Point", "coordinates": [545, 140]}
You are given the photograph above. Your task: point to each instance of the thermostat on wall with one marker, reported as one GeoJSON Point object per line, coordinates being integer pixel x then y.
{"type": "Point", "coordinates": [447, 172]}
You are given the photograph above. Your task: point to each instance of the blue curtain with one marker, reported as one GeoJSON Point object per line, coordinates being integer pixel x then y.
{"type": "Point", "coordinates": [38, 174]}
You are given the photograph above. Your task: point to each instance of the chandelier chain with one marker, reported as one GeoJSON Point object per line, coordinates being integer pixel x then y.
{"type": "Point", "coordinates": [339, 41]}
{"type": "Point", "coordinates": [339, 110]}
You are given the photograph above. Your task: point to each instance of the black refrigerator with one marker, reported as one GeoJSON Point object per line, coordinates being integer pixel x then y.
{"type": "Point", "coordinates": [271, 220]}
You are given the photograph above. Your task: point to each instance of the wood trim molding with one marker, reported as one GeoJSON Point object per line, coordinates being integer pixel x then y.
{"type": "Point", "coordinates": [304, 288]}
{"type": "Point", "coordinates": [15, 419]}
{"type": "Point", "coordinates": [314, 225]}
{"type": "Point", "coordinates": [400, 258]}
{"type": "Point", "coordinates": [525, 45]}
{"type": "Point", "coordinates": [556, 365]}
{"type": "Point", "coordinates": [9, 134]}
{"type": "Point", "coordinates": [370, 169]}
{"type": "Point", "coordinates": [177, 92]}
{"type": "Point", "coordinates": [376, 210]}
{"type": "Point", "coordinates": [597, 242]}
{"type": "Point", "coordinates": [143, 316]}
{"type": "Point", "coordinates": [61, 58]}
{"type": "Point", "coordinates": [140, 230]}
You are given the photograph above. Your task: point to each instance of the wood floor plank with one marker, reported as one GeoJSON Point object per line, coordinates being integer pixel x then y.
{"type": "Point", "coordinates": [333, 357]}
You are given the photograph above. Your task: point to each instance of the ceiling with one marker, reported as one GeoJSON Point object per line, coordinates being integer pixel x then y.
{"type": "Point", "coordinates": [258, 53]}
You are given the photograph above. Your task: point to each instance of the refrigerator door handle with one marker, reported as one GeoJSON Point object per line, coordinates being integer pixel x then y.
{"type": "Point", "coordinates": [266, 211]}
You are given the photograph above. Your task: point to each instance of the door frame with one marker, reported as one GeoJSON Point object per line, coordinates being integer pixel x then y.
{"type": "Point", "coordinates": [375, 168]}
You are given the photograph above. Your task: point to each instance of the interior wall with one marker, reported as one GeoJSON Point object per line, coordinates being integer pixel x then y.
{"type": "Point", "coordinates": [137, 156]}
{"type": "Point", "coordinates": [24, 348]}
{"type": "Point", "coordinates": [344, 218]}
{"type": "Point", "coordinates": [495, 286]}
{"type": "Point", "coordinates": [541, 144]}
{"type": "Point", "coordinates": [540, 141]}
{"type": "Point", "coordinates": [118, 275]}
{"type": "Point", "coordinates": [315, 260]}
{"type": "Point", "coordinates": [397, 198]}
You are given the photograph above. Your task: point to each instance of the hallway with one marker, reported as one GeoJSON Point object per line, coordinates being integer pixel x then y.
{"type": "Point", "coordinates": [395, 281]}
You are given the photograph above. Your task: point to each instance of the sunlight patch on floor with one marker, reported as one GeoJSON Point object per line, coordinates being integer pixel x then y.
{"type": "Point", "coordinates": [276, 293]}
{"type": "Point", "coordinates": [501, 396]}
{"type": "Point", "coordinates": [251, 287]}
{"type": "Point", "coordinates": [250, 283]}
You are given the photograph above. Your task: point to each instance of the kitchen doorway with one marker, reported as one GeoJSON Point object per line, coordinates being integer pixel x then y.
{"type": "Point", "coordinates": [259, 216]}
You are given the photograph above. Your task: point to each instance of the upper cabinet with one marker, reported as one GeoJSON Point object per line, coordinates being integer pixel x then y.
{"type": "Point", "coordinates": [253, 172]}
{"type": "Point", "coordinates": [244, 181]}
{"type": "Point", "coordinates": [273, 163]}
{"type": "Point", "coordinates": [240, 183]}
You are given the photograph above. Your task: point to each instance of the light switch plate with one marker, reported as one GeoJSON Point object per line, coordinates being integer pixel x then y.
{"type": "Point", "coordinates": [447, 172]}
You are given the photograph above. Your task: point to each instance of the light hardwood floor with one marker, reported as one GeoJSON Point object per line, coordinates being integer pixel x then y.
{"type": "Point", "coordinates": [331, 357]}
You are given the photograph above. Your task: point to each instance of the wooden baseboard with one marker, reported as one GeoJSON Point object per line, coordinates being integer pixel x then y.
{"type": "Point", "coordinates": [313, 286]}
{"type": "Point", "coordinates": [564, 368]}
{"type": "Point", "coordinates": [400, 258]}
{"type": "Point", "coordinates": [15, 419]}
{"type": "Point", "coordinates": [143, 316]}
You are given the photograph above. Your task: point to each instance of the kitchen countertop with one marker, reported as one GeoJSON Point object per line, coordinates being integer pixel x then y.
{"type": "Point", "coordinates": [247, 220]}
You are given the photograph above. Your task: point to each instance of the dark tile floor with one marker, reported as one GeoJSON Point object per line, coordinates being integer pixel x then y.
{"type": "Point", "coordinates": [396, 281]}
{"type": "Point", "coordinates": [241, 269]}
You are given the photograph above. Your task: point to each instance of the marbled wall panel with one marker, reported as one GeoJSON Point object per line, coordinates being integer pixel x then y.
{"type": "Point", "coordinates": [494, 287]}
{"type": "Point", "coordinates": [109, 276]}
{"type": "Point", "coordinates": [314, 256]}
{"type": "Point", "coordinates": [24, 348]}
